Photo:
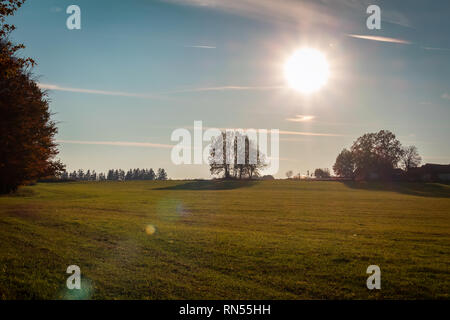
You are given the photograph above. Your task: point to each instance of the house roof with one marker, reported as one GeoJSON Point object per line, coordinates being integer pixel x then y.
{"type": "Point", "coordinates": [432, 168]}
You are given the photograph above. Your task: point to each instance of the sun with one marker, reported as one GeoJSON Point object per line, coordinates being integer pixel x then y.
{"type": "Point", "coordinates": [306, 70]}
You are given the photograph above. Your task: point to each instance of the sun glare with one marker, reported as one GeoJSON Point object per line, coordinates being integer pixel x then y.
{"type": "Point", "coordinates": [306, 70]}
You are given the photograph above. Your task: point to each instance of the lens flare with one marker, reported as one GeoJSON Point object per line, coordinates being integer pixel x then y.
{"type": "Point", "coordinates": [171, 210]}
{"type": "Point", "coordinates": [150, 229]}
{"type": "Point", "coordinates": [85, 293]}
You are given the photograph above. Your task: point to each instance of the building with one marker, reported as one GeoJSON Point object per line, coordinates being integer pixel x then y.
{"type": "Point", "coordinates": [430, 173]}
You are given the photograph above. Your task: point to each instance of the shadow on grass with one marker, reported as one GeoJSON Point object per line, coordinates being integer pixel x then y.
{"type": "Point", "coordinates": [212, 185]}
{"type": "Point", "coordinates": [435, 190]}
{"type": "Point", "coordinates": [21, 192]}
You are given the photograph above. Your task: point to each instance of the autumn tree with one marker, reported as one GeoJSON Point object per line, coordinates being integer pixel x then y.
{"type": "Point", "coordinates": [345, 164]}
{"type": "Point", "coordinates": [27, 146]}
{"type": "Point", "coordinates": [377, 152]}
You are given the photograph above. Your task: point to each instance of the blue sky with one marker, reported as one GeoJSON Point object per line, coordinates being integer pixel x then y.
{"type": "Point", "coordinates": [137, 70]}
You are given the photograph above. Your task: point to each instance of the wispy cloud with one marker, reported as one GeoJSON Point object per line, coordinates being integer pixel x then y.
{"type": "Point", "coordinates": [394, 40]}
{"type": "Point", "coordinates": [445, 96]}
{"type": "Point", "coordinates": [445, 159]}
{"type": "Point", "coordinates": [436, 49]}
{"type": "Point", "coordinates": [397, 18]}
{"type": "Point", "coordinates": [281, 11]}
{"type": "Point", "coordinates": [118, 143]}
{"type": "Point", "coordinates": [201, 47]}
{"type": "Point", "coordinates": [285, 132]}
{"type": "Point", "coordinates": [300, 118]}
{"type": "Point", "coordinates": [330, 13]}
{"type": "Point", "coordinates": [55, 9]}
{"type": "Point", "coordinates": [302, 133]}
{"type": "Point", "coordinates": [159, 95]}
{"type": "Point", "coordinates": [101, 92]}
{"type": "Point", "coordinates": [227, 88]}
{"type": "Point", "coordinates": [379, 38]}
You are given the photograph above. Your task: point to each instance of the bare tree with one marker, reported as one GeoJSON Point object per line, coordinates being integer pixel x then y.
{"type": "Point", "coordinates": [410, 158]}
{"type": "Point", "coordinates": [220, 156]}
{"type": "Point", "coordinates": [235, 156]}
{"type": "Point", "coordinates": [289, 174]}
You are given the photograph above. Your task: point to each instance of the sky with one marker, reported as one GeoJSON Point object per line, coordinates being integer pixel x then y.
{"type": "Point", "coordinates": [137, 70]}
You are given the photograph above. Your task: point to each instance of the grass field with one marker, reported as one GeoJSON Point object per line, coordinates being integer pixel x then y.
{"type": "Point", "coordinates": [225, 240]}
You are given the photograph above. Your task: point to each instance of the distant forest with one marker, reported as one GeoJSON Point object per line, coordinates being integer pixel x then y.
{"type": "Point", "coordinates": [115, 175]}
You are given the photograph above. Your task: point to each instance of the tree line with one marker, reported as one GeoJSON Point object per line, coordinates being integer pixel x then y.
{"type": "Point", "coordinates": [319, 173]}
{"type": "Point", "coordinates": [115, 175]}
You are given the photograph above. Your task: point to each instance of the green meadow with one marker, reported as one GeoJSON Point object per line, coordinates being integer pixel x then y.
{"type": "Point", "coordinates": [225, 240]}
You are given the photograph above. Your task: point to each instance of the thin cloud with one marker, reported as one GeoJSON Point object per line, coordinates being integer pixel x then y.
{"type": "Point", "coordinates": [159, 95]}
{"type": "Point", "coordinates": [281, 11]}
{"type": "Point", "coordinates": [436, 49]}
{"type": "Point", "coordinates": [302, 133]}
{"type": "Point", "coordinates": [118, 143]}
{"type": "Point", "coordinates": [227, 88]}
{"type": "Point", "coordinates": [201, 47]}
{"type": "Point", "coordinates": [443, 159]}
{"type": "Point", "coordinates": [93, 91]}
{"type": "Point", "coordinates": [397, 18]}
{"type": "Point", "coordinates": [379, 38]}
{"type": "Point", "coordinates": [55, 9]}
{"type": "Point", "coordinates": [300, 118]}
{"type": "Point", "coordinates": [307, 13]}
{"type": "Point", "coordinates": [445, 96]}
{"type": "Point", "coordinates": [285, 132]}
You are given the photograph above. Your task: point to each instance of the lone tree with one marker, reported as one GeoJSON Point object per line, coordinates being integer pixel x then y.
{"type": "Point", "coordinates": [162, 174]}
{"type": "Point", "coordinates": [377, 152]}
{"type": "Point", "coordinates": [27, 148]}
{"type": "Point", "coordinates": [345, 164]}
{"type": "Point", "coordinates": [289, 174]}
{"type": "Point", "coordinates": [235, 156]}
{"type": "Point", "coordinates": [220, 160]}
{"type": "Point", "coordinates": [410, 158]}
{"type": "Point", "coordinates": [322, 173]}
